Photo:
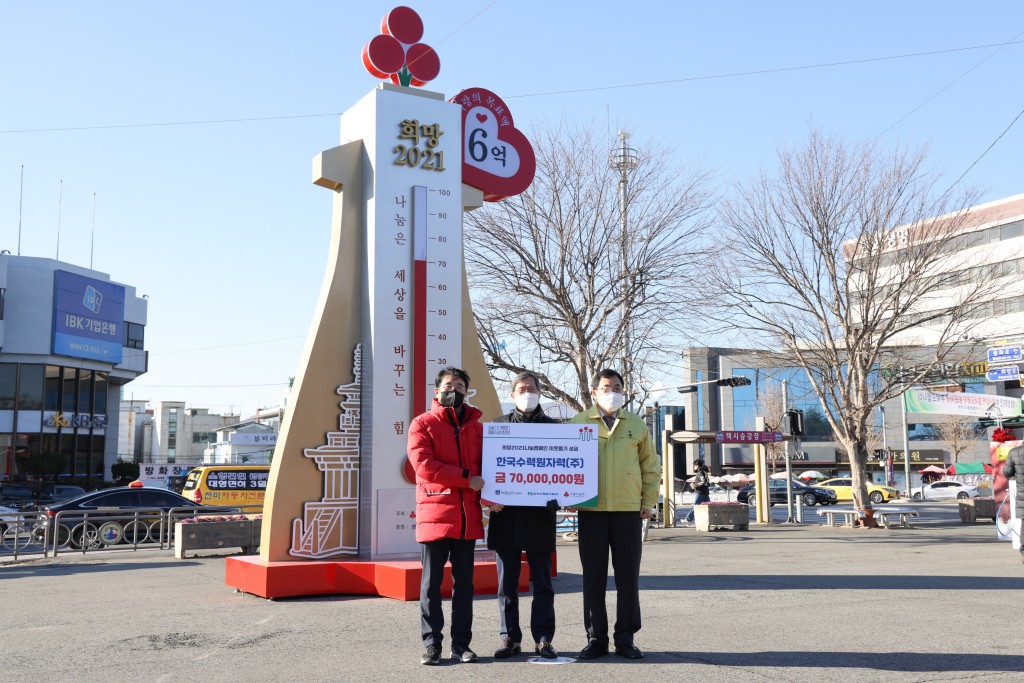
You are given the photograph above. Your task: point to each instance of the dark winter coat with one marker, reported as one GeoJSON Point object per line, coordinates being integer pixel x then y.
{"type": "Point", "coordinates": [519, 527]}
{"type": "Point", "coordinates": [1014, 467]}
{"type": "Point", "coordinates": [445, 453]}
{"type": "Point", "coordinates": [701, 481]}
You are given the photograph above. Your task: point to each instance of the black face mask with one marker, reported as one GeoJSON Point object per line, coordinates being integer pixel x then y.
{"type": "Point", "coordinates": [451, 399]}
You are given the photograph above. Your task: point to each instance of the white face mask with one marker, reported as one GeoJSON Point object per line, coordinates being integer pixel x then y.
{"type": "Point", "coordinates": [526, 402]}
{"type": "Point", "coordinates": [611, 402]}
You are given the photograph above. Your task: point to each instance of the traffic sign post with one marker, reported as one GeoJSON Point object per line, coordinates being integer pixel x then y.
{"type": "Point", "coordinates": [1003, 374]}
{"type": "Point", "coordinates": [749, 437]}
{"type": "Point", "coordinates": [1004, 354]}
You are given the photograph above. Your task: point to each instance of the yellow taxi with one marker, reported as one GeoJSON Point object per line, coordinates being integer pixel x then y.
{"type": "Point", "coordinates": [843, 486]}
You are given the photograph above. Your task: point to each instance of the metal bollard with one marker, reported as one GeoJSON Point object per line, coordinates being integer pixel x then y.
{"type": "Point", "coordinates": [799, 509]}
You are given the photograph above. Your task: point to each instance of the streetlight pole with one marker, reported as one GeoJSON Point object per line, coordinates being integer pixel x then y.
{"type": "Point", "coordinates": [906, 446]}
{"type": "Point", "coordinates": [789, 458]}
{"type": "Point", "coordinates": [886, 466]}
{"type": "Point", "coordinates": [624, 160]}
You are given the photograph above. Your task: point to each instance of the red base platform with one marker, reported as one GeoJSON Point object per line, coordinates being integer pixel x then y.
{"type": "Point", "coordinates": [398, 579]}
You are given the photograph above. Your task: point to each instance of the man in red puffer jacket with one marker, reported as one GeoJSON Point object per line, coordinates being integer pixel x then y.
{"type": "Point", "coordinates": [445, 450]}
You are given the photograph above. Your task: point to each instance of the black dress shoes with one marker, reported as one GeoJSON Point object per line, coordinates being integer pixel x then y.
{"type": "Point", "coordinates": [593, 650]}
{"type": "Point", "coordinates": [508, 648]}
{"type": "Point", "coordinates": [545, 650]}
{"type": "Point", "coordinates": [630, 651]}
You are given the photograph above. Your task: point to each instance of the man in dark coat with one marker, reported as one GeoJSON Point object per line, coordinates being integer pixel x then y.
{"type": "Point", "coordinates": [1014, 467]}
{"type": "Point", "coordinates": [515, 528]}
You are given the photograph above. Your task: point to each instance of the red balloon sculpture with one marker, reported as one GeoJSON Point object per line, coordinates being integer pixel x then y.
{"type": "Point", "coordinates": [397, 55]}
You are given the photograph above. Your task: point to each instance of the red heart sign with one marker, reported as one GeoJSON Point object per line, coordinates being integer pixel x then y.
{"type": "Point", "coordinates": [496, 157]}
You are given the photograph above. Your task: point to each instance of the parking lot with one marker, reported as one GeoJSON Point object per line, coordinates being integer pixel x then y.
{"type": "Point", "coordinates": [775, 603]}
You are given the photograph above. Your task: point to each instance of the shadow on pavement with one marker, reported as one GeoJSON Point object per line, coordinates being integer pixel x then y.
{"type": "Point", "coordinates": [69, 569]}
{"type": "Point", "coordinates": [922, 662]}
{"type": "Point", "coordinates": [786, 582]}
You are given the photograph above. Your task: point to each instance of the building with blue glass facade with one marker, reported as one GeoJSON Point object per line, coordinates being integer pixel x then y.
{"type": "Point", "coordinates": [717, 408]}
{"type": "Point", "coordinates": [70, 338]}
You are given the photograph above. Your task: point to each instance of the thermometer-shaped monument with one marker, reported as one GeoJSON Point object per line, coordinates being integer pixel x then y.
{"type": "Point", "coordinates": [393, 310]}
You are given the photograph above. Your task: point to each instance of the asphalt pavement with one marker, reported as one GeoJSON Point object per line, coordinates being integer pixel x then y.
{"type": "Point", "coordinates": [938, 602]}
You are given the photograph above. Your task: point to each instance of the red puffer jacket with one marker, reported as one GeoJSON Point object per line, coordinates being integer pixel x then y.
{"type": "Point", "coordinates": [445, 457]}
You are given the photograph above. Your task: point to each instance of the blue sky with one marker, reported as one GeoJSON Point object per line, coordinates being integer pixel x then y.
{"type": "Point", "coordinates": [219, 224]}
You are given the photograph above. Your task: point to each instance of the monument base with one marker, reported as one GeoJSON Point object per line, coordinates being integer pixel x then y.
{"type": "Point", "coordinates": [398, 579]}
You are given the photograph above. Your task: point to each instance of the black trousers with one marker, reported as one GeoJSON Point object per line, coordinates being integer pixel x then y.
{"type": "Point", "coordinates": [621, 533]}
{"type": "Point", "coordinates": [433, 555]}
{"type": "Point", "coordinates": [542, 611]}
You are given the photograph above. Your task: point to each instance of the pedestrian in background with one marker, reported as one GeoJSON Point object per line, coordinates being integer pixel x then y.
{"type": "Point", "coordinates": [700, 484]}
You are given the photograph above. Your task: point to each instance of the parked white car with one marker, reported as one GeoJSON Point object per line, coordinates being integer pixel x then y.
{"type": "Point", "coordinates": [9, 517]}
{"type": "Point", "coordinates": [14, 531]}
{"type": "Point", "coordinates": [945, 490]}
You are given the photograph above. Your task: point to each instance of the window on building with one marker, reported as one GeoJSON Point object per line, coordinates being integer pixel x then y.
{"type": "Point", "coordinates": [99, 444]}
{"type": "Point", "coordinates": [99, 404]}
{"type": "Point", "coordinates": [70, 390]}
{"type": "Point", "coordinates": [8, 385]}
{"type": "Point", "coordinates": [67, 452]}
{"type": "Point", "coordinates": [83, 445]}
{"type": "Point", "coordinates": [30, 387]}
{"type": "Point", "coordinates": [85, 391]}
{"type": "Point", "coordinates": [7, 463]}
{"type": "Point", "coordinates": [1011, 230]}
{"type": "Point", "coordinates": [134, 335]}
{"type": "Point", "coordinates": [51, 390]}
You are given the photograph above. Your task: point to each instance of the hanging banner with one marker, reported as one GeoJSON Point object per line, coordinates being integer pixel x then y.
{"type": "Point", "coordinates": [960, 403]}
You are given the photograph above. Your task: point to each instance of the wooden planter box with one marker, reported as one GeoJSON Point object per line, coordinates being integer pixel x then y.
{"type": "Point", "coordinates": [244, 534]}
{"type": "Point", "coordinates": [735, 515]}
{"type": "Point", "coordinates": [973, 508]}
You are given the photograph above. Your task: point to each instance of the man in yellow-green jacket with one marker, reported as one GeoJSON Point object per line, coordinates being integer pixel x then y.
{"type": "Point", "coordinates": [627, 492]}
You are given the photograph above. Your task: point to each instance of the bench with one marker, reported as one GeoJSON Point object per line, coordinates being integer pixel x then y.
{"type": "Point", "coordinates": [849, 515]}
{"type": "Point", "coordinates": [884, 515]}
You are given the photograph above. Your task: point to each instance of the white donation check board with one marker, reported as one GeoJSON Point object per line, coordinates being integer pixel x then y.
{"type": "Point", "coordinates": [530, 464]}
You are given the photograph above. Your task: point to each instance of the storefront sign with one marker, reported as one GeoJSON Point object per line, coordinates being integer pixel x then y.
{"type": "Point", "coordinates": [920, 456]}
{"type": "Point", "coordinates": [88, 317]}
{"type": "Point", "coordinates": [156, 474]}
{"type": "Point", "coordinates": [53, 420]}
{"type": "Point", "coordinates": [530, 464]}
{"type": "Point", "coordinates": [250, 439]}
{"type": "Point", "coordinates": [959, 372]}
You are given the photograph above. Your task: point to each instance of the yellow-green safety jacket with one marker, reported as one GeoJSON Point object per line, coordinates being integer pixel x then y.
{"type": "Point", "coordinates": [628, 467]}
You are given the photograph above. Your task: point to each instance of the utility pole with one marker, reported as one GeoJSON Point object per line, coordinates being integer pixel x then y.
{"type": "Point", "coordinates": [624, 160]}
{"type": "Point", "coordinates": [789, 459]}
{"type": "Point", "coordinates": [906, 446]}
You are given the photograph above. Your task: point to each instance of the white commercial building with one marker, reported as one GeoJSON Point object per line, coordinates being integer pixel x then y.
{"type": "Point", "coordinates": [167, 432]}
{"type": "Point", "coordinates": [249, 442]}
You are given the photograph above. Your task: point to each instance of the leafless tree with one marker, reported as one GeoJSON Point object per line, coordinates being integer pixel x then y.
{"type": "Point", "coordinates": [771, 407]}
{"type": "Point", "coordinates": [561, 289]}
{"type": "Point", "coordinates": [837, 262]}
{"type": "Point", "coordinates": [959, 431]}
